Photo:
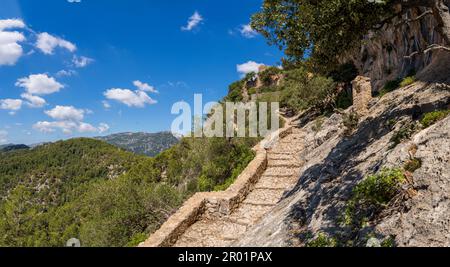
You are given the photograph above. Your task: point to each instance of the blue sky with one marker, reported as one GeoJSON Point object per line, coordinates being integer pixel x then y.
{"type": "Point", "coordinates": [93, 68]}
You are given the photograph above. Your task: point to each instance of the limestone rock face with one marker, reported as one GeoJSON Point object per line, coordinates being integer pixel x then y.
{"type": "Point", "coordinates": [333, 164]}
{"type": "Point", "coordinates": [382, 57]}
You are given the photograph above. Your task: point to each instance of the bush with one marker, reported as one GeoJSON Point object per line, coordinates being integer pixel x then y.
{"type": "Point", "coordinates": [344, 100]}
{"type": "Point", "coordinates": [390, 86]}
{"type": "Point", "coordinates": [345, 73]}
{"type": "Point", "coordinates": [373, 194]}
{"type": "Point", "coordinates": [266, 75]}
{"type": "Point", "coordinates": [350, 121]}
{"type": "Point", "coordinates": [301, 92]}
{"type": "Point", "coordinates": [379, 189]}
{"type": "Point", "coordinates": [322, 241]}
{"type": "Point", "coordinates": [403, 134]}
{"type": "Point", "coordinates": [433, 117]}
{"type": "Point", "coordinates": [408, 81]}
{"type": "Point", "coordinates": [413, 165]}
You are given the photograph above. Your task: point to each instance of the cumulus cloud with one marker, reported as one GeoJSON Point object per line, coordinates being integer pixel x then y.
{"type": "Point", "coordinates": [39, 84]}
{"type": "Point", "coordinates": [68, 127]}
{"type": "Point", "coordinates": [47, 43]}
{"type": "Point", "coordinates": [81, 62]}
{"type": "Point", "coordinates": [33, 101]}
{"type": "Point", "coordinates": [10, 49]}
{"type": "Point", "coordinates": [247, 31]}
{"type": "Point", "coordinates": [130, 98]}
{"type": "Point", "coordinates": [66, 113]}
{"type": "Point", "coordinates": [193, 22]}
{"type": "Point", "coordinates": [13, 105]}
{"type": "Point", "coordinates": [248, 67]}
{"type": "Point", "coordinates": [68, 119]}
{"type": "Point", "coordinates": [66, 73]}
{"type": "Point", "coordinates": [144, 87]}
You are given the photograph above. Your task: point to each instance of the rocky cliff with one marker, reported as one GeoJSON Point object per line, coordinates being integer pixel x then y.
{"type": "Point", "coordinates": [337, 159]}
{"type": "Point", "coordinates": [396, 50]}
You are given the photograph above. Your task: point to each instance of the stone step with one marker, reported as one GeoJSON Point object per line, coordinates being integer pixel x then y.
{"type": "Point", "coordinates": [284, 163]}
{"type": "Point", "coordinates": [264, 197]}
{"type": "Point", "coordinates": [281, 171]}
{"type": "Point", "coordinates": [272, 156]}
{"type": "Point", "coordinates": [211, 233]}
{"type": "Point", "coordinates": [276, 182]}
{"type": "Point", "coordinates": [249, 214]}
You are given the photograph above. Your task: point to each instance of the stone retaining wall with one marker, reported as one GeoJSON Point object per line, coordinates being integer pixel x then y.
{"type": "Point", "coordinates": [216, 204]}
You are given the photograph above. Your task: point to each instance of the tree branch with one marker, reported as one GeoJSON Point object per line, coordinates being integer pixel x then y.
{"type": "Point", "coordinates": [428, 12]}
{"type": "Point", "coordinates": [428, 50]}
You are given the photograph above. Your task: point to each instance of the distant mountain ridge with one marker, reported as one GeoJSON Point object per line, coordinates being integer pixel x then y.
{"type": "Point", "coordinates": [149, 144]}
{"type": "Point", "coordinates": [12, 147]}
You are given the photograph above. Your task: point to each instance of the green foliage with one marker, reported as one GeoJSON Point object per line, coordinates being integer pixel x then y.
{"type": "Point", "coordinates": [372, 195]}
{"type": "Point", "coordinates": [389, 87]}
{"type": "Point", "coordinates": [267, 75]}
{"type": "Point", "coordinates": [408, 81]}
{"type": "Point", "coordinates": [323, 29]}
{"type": "Point", "coordinates": [344, 100]}
{"type": "Point", "coordinates": [345, 73]}
{"type": "Point", "coordinates": [413, 165]}
{"type": "Point", "coordinates": [235, 92]}
{"type": "Point", "coordinates": [388, 243]}
{"type": "Point", "coordinates": [433, 117]}
{"type": "Point", "coordinates": [322, 241]}
{"type": "Point", "coordinates": [103, 195]}
{"type": "Point", "coordinates": [379, 189]}
{"type": "Point", "coordinates": [300, 91]}
{"type": "Point", "coordinates": [351, 122]}
{"type": "Point", "coordinates": [403, 134]}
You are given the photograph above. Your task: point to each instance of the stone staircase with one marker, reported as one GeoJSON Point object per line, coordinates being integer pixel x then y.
{"type": "Point", "coordinates": [280, 176]}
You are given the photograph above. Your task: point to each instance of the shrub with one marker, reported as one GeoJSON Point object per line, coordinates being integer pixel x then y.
{"type": "Point", "coordinates": [266, 75]}
{"type": "Point", "coordinates": [373, 194]}
{"type": "Point", "coordinates": [413, 165]}
{"type": "Point", "coordinates": [301, 92]}
{"type": "Point", "coordinates": [403, 134]}
{"type": "Point", "coordinates": [433, 117]}
{"type": "Point", "coordinates": [408, 81]}
{"type": "Point", "coordinates": [322, 241]}
{"type": "Point", "coordinates": [344, 100]}
{"type": "Point", "coordinates": [350, 121]}
{"type": "Point", "coordinates": [345, 73]}
{"type": "Point", "coordinates": [379, 189]}
{"type": "Point", "coordinates": [390, 86]}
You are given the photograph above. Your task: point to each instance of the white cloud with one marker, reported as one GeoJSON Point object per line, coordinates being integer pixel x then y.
{"type": "Point", "coordinates": [39, 84]}
{"type": "Point", "coordinates": [248, 67]}
{"type": "Point", "coordinates": [47, 43]}
{"type": "Point", "coordinates": [132, 99]}
{"type": "Point", "coordinates": [68, 127]}
{"type": "Point", "coordinates": [193, 22]}
{"type": "Point", "coordinates": [33, 101]}
{"type": "Point", "coordinates": [247, 31]}
{"type": "Point", "coordinates": [74, 1]}
{"type": "Point", "coordinates": [66, 113]}
{"type": "Point", "coordinates": [12, 105]}
{"type": "Point", "coordinates": [3, 137]}
{"type": "Point", "coordinates": [103, 127]}
{"type": "Point", "coordinates": [11, 24]}
{"type": "Point", "coordinates": [106, 104]}
{"type": "Point", "coordinates": [66, 73]}
{"type": "Point", "coordinates": [81, 62]}
{"type": "Point", "coordinates": [10, 49]}
{"type": "Point", "coordinates": [145, 87]}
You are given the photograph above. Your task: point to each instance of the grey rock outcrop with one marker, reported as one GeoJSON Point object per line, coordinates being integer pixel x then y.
{"type": "Point", "coordinates": [333, 164]}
